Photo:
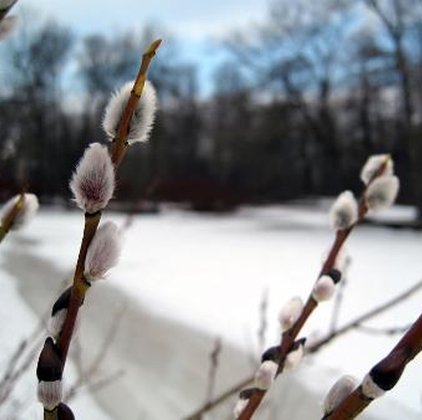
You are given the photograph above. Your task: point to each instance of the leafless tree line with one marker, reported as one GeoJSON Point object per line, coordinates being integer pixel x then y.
{"type": "Point", "coordinates": [308, 93]}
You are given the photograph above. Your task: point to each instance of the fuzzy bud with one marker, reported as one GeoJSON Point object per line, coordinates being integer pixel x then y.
{"type": "Point", "coordinates": [290, 313]}
{"type": "Point", "coordinates": [56, 322]}
{"type": "Point", "coordinates": [142, 119]}
{"type": "Point", "coordinates": [29, 207]}
{"type": "Point", "coordinates": [49, 367]}
{"type": "Point", "coordinates": [294, 357]}
{"type": "Point", "coordinates": [323, 289]}
{"type": "Point", "coordinates": [49, 374]}
{"type": "Point", "coordinates": [59, 312]}
{"type": "Point", "coordinates": [93, 181]}
{"type": "Point", "coordinates": [7, 25]}
{"type": "Point", "coordinates": [50, 394]}
{"type": "Point", "coordinates": [239, 407]}
{"type": "Point", "coordinates": [344, 211]}
{"type": "Point", "coordinates": [382, 192]}
{"type": "Point", "coordinates": [103, 252]}
{"type": "Point", "coordinates": [338, 392]}
{"type": "Point", "coordinates": [370, 389]}
{"type": "Point", "coordinates": [265, 375]}
{"type": "Point", "coordinates": [373, 165]}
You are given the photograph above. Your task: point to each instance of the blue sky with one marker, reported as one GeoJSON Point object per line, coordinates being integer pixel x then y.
{"type": "Point", "coordinates": [192, 22]}
{"type": "Point", "coordinates": [186, 18]}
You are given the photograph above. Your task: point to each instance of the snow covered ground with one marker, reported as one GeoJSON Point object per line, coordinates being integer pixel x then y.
{"type": "Point", "coordinates": [203, 275]}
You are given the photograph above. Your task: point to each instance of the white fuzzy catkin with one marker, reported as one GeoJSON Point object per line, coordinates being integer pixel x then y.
{"type": "Point", "coordinates": [50, 394]}
{"type": "Point", "coordinates": [382, 192]}
{"type": "Point", "coordinates": [344, 211]}
{"type": "Point", "coordinates": [26, 213]}
{"type": "Point", "coordinates": [56, 322]}
{"type": "Point", "coordinates": [239, 407]}
{"type": "Point", "coordinates": [294, 358]}
{"type": "Point", "coordinates": [323, 289]}
{"type": "Point", "coordinates": [142, 119]}
{"type": "Point", "coordinates": [338, 392]}
{"type": "Point", "coordinates": [93, 181]}
{"type": "Point", "coordinates": [370, 389]}
{"type": "Point", "coordinates": [7, 25]}
{"type": "Point", "coordinates": [290, 313]}
{"type": "Point", "coordinates": [373, 164]}
{"type": "Point", "coordinates": [265, 375]}
{"type": "Point", "coordinates": [103, 252]}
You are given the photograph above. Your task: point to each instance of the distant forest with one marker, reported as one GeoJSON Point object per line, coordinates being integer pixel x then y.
{"type": "Point", "coordinates": [297, 106]}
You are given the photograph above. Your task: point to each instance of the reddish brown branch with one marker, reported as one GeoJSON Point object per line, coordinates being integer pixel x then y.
{"type": "Point", "coordinates": [9, 218]}
{"type": "Point", "coordinates": [384, 374]}
{"type": "Point", "coordinates": [288, 337]}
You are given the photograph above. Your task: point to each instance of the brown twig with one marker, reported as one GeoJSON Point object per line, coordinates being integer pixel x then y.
{"type": "Point", "coordinates": [9, 218]}
{"type": "Point", "coordinates": [4, 12]}
{"type": "Point", "coordinates": [117, 151]}
{"type": "Point", "coordinates": [383, 331]}
{"type": "Point", "coordinates": [384, 374]}
{"type": "Point", "coordinates": [86, 375]}
{"type": "Point", "coordinates": [20, 359]}
{"type": "Point", "coordinates": [315, 346]}
{"type": "Point", "coordinates": [288, 337]}
{"type": "Point", "coordinates": [212, 373]}
{"type": "Point", "coordinates": [263, 323]}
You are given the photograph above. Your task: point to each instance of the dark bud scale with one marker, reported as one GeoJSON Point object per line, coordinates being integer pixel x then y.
{"type": "Point", "coordinates": [50, 366]}
{"type": "Point", "coordinates": [335, 275]}
{"type": "Point", "coordinates": [62, 302]}
{"type": "Point", "coordinates": [246, 393]}
{"type": "Point", "coordinates": [273, 354]}
{"type": "Point", "coordinates": [64, 412]}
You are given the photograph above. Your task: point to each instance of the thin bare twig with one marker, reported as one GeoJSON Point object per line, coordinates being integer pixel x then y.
{"type": "Point", "coordinates": [263, 324]}
{"type": "Point", "coordinates": [212, 373]}
{"type": "Point", "coordinates": [383, 331]}
{"type": "Point", "coordinates": [338, 301]}
{"type": "Point", "coordinates": [86, 376]}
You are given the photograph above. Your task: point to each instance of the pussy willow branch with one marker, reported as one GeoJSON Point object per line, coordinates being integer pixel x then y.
{"type": "Point", "coordinates": [117, 151]}
{"type": "Point", "coordinates": [389, 369]}
{"type": "Point", "coordinates": [9, 218]}
{"type": "Point", "coordinates": [314, 347]}
{"type": "Point", "coordinates": [288, 337]}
